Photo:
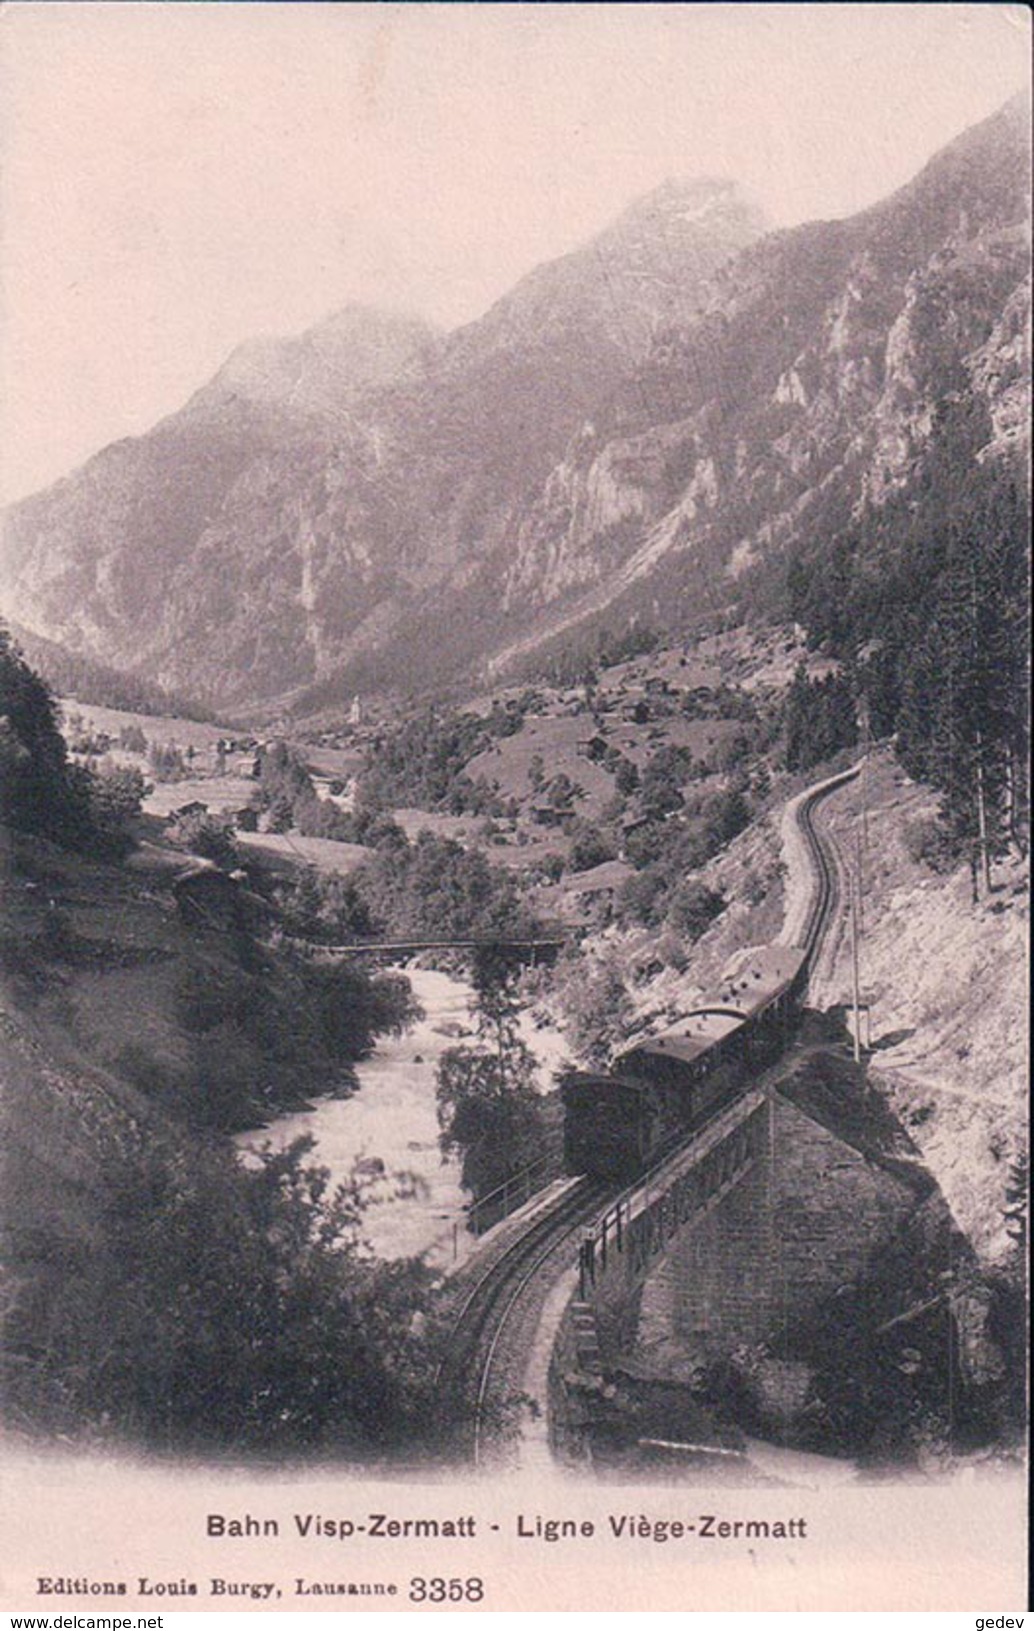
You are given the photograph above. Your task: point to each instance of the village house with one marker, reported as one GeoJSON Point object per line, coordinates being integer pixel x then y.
{"type": "Point", "coordinates": [208, 897]}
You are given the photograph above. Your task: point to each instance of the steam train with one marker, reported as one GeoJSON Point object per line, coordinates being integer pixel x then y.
{"type": "Point", "coordinates": [617, 1123]}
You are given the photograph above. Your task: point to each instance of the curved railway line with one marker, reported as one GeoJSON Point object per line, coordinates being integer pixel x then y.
{"type": "Point", "coordinates": [468, 1376]}
{"type": "Point", "coordinates": [486, 1357]}
{"type": "Point", "coordinates": [826, 894]}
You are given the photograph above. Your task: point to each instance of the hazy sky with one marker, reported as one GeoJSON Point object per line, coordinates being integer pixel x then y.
{"type": "Point", "coordinates": [178, 177]}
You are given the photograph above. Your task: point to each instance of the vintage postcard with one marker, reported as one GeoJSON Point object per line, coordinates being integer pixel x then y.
{"type": "Point", "coordinates": [514, 806]}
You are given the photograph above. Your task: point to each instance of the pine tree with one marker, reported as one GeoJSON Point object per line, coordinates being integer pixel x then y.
{"type": "Point", "coordinates": [797, 719]}
{"type": "Point", "coordinates": [40, 791]}
{"type": "Point", "coordinates": [1016, 1198]}
{"type": "Point", "coordinates": [962, 722]}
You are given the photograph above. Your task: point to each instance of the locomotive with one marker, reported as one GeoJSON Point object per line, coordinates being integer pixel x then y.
{"type": "Point", "coordinates": [616, 1123]}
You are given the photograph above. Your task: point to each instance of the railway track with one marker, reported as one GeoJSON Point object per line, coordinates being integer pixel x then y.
{"type": "Point", "coordinates": [486, 1355]}
{"type": "Point", "coordinates": [477, 1371]}
{"type": "Point", "coordinates": [826, 898]}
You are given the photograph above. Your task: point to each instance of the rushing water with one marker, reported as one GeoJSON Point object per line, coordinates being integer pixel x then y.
{"type": "Point", "coordinates": [392, 1119]}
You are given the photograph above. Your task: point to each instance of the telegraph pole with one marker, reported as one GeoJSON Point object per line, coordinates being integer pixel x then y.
{"type": "Point", "coordinates": [862, 826]}
{"type": "Point", "coordinates": [857, 878]}
{"type": "Point", "coordinates": [855, 891]}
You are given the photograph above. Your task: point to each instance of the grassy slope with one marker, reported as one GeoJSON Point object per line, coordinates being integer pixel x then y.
{"type": "Point", "coordinates": [102, 976]}
{"type": "Point", "coordinates": [98, 1055]}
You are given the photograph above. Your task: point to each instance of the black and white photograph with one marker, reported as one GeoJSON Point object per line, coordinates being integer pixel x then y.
{"type": "Point", "coordinates": [514, 805]}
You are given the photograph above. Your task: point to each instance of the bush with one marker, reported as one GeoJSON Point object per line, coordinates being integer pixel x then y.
{"type": "Point", "coordinates": [626, 776]}
{"type": "Point", "coordinates": [166, 762]}
{"type": "Point", "coordinates": [643, 898]}
{"type": "Point", "coordinates": [663, 780]}
{"type": "Point", "coordinates": [322, 818]}
{"type": "Point", "coordinates": [645, 845]}
{"type": "Point", "coordinates": [724, 815]}
{"type": "Point", "coordinates": [219, 1306]}
{"type": "Point", "coordinates": [209, 837]}
{"type": "Point", "coordinates": [561, 792]}
{"type": "Point", "coordinates": [595, 1005]}
{"type": "Point", "coordinates": [551, 867]}
{"type": "Point", "coordinates": [116, 798]}
{"type": "Point", "coordinates": [280, 818]}
{"type": "Point", "coordinates": [929, 842]}
{"type": "Point", "coordinates": [693, 907]}
{"type": "Point", "coordinates": [437, 888]}
{"type": "Point", "coordinates": [590, 847]}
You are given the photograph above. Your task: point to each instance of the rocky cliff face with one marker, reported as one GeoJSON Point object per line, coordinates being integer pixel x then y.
{"type": "Point", "coordinates": [644, 424]}
{"type": "Point", "coordinates": [814, 383]}
{"type": "Point", "coordinates": [174, 552]}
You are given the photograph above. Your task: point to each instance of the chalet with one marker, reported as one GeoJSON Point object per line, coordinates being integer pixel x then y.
{"type": "Point", "coordinates": [208, 897]}
{"type": "Point", "coordinates": [547, 815]}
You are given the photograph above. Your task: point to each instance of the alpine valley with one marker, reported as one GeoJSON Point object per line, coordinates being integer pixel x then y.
{"type": "Point", "coordinates": [477, 806]}
{"type": "Point", "coordinates": [659, 427]}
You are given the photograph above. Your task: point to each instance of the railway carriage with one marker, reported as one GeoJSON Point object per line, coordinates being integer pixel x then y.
{"type": "Point", "coordinates": [610, 1125]}
{"type": "Point", "coordinates": [616, 1123]}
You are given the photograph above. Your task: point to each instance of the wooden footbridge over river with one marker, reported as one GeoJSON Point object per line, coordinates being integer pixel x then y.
{"type": "Point", "coordinates": [531, 948]}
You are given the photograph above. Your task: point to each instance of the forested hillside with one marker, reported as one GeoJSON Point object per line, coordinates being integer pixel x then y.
{"type": "Point", "coordinates": [926, 599]}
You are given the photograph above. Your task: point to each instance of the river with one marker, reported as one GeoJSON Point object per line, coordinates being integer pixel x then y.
{"type": "Point", "coordinates": [392, 1119]}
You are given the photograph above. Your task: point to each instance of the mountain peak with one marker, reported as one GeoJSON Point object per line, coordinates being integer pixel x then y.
{"type": "Point", "coordinates": [700, 207]}
{"type": "Point", "coordinates": [321, 370]}
{"type": "Point", "coordinates": [653, 262]}
{"type": "Point", "coordinates": [689, 195]}
{"type": "Point", "coordinates": [356, 321]}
